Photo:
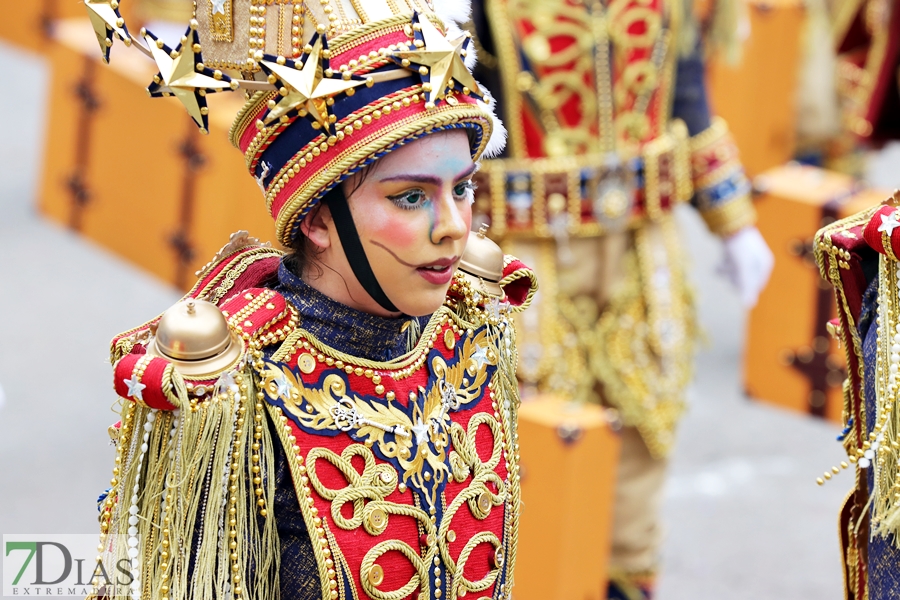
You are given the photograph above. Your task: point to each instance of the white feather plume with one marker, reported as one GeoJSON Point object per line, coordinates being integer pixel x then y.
{"type": "Point", "coordinates": [497, 142]}
{"type": "Point", "coordinates": [457, 11]}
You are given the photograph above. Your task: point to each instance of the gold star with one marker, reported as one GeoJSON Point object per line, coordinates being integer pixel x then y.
{"type": "Point", "coordinates": [182, 74]}
{"type": "Point", "coordinates": [440, 59]}
{"type": "Point", "coordinates": [305, 89]}
{"type": "Point", "coordinates": [105, 19]}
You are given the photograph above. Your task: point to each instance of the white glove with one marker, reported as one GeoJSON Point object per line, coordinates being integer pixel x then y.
{"type": "Point", "coordinates": [747, 263]}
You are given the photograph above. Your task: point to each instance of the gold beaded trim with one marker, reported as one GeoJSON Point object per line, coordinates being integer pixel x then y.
{"type": "Point", "coordinates": [347, 127]}
{"type": "Point", "coordinates": [377, 141]}
{"type": "Point", "coordinates": [730, 217]}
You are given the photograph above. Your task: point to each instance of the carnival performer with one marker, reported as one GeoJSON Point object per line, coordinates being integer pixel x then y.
{"type": "Point", "coordinates": [609, 129]}
{"type": "Point", "coordinates": [858, 256]}
{"type": "Point", "coordinates": [336, 421]}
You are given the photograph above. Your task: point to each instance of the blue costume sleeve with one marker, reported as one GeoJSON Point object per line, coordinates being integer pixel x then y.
{"type": "Point", "coordinates": [690, 103]}
{"type": "Point", "coordinates": [721, 189]}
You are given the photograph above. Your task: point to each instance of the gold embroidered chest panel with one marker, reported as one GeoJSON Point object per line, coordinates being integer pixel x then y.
{"type": "Point", "coordinates": [405, 471]}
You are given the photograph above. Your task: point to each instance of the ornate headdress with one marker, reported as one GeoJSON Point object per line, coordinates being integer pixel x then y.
{"type": "Point", "coordinates": [332, 85]}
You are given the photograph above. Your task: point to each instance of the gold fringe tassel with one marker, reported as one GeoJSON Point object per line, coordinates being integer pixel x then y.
{"type": "Point", "coordinates": [193, 482]}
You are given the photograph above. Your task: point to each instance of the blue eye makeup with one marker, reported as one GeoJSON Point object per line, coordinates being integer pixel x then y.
{"type": "Point", "coordinates": [417, 198]}
{"type": "Point", "coordinates": [410, 200]}
{"type": "Point", "coordinates": [464, 190]}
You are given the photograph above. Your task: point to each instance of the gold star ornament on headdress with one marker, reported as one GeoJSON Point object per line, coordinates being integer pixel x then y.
{"type": "Point", "coordinates": [438, 59]}
{"type": "Point", "coordinates": [107, 23]}
{"type": "Point", "coordinates": [307, 87]}
{"type": "Point", "coordinates": [182, 74]}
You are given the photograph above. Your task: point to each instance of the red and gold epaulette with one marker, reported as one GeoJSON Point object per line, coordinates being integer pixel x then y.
{"type": "Point", "coordinates": [519, 283]}
{"type": "Point", "coordinates": [260, 314]}
{"type": "Point", "coordinates": [842, 254]}
{"type": "Point", "coordinates": [241, 264]}
{"type": "Point", "coordinates": [257, 317]}
{"type": "Point", "coordinates": [150, 381]}
{"type": "Point", "coordinates": [882, 232]}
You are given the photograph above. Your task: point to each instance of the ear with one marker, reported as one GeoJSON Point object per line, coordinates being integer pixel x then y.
{"type": "Point", "coordinates": [317, 225]}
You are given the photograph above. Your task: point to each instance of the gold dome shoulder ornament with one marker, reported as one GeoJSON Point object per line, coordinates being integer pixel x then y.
{"type": "Point", "coordinates": [482, 265]}
{"type": "Point", "coordinates": [194, 336]}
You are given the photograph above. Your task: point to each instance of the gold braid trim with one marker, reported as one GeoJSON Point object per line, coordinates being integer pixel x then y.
{"type": "Point", "coordinates": [641, 347]}
{"type": "Point", "coordinates": [502, 28]}
{"type": "Point", "coordinates": [214, 291]}
{"type": "Point", "coordinates": [173, 386]}
{"type": "Point", "coordinates": [717, 129]}
{"type": "Point", "coordinates": [344, 128]}
{"type": "Point", "coordinates": [298, 476]}
{"type": "Point", "coordinates": [290, 345]}
{"type": "Point", "coordinates": [244, 117]}
{"type": "Point", "coordinates": [730, 217]}
{"type": "Point", "coordinates": [519, 274]}
{"type": "Point", "coordinates": [830, 260]}
{"type": "Point", "coordinates": [399, 133]}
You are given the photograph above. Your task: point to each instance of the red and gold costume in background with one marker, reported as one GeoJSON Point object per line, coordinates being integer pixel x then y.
{"type": "Point", "coordinates": [257, 457]}
{"type": "Point", "coordinates": [867, 39]}
{"type": "Point", "coordinates": [609, 130]}
{"type": "Point", "coordinates": [859, 257]}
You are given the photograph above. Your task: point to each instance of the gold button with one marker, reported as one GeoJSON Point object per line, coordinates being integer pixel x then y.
{"type": "Point", "coordinates": [499, 557]}
{"type": "Point", "coordinates": [376, 575]}
{"type": "Point", "coordinates": [451, 536]}
{"type": "Point", "coordinates": [306, 363]}
{"type": "Point", "coordinates": [449, 339]}
{"type": "Point", "coordinates": [484, 502]}
{"type": "Point", "coordinates": [377, 519]}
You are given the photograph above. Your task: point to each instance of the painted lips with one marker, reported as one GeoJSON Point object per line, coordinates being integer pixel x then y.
{"type": "Point", "coordinates": [440, 272]}
{"type": "Point", "coordinates": [436, 275]}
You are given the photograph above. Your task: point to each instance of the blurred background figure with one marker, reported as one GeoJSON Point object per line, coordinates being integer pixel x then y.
{"type": "Point", "coordinates": [609, 130]}
{"type": "Point", "coordinates": [810, 94]}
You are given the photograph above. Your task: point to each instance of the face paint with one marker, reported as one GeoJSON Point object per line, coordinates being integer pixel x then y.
{"type": "Point", "coordinates": [413, 214]}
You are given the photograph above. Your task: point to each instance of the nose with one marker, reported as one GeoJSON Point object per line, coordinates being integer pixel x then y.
{"type": "Point", "coordinates": [452, 219]}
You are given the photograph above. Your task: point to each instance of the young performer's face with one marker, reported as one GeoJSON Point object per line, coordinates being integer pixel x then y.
{"type": "Point", "coordinates": [412, 210]}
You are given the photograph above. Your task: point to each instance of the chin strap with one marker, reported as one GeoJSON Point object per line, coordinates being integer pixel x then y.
{"type": "Point", "coordinates": [353, 248]}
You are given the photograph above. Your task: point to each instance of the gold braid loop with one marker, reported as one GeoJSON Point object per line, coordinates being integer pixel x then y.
{"type": "Point", "coordinates": [419, 580]}
{"type": "Point", "coordinates": [459, 580]}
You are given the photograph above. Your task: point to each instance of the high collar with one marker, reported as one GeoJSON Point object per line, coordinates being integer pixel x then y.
{"type": "Point", "coordinates": [343, 328]}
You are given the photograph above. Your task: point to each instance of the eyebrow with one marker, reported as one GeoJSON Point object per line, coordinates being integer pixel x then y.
{"type": "Point", "coordinates": [430, 179]}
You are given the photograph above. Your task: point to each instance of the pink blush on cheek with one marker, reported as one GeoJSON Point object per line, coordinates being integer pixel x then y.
{"type": "Point", "coordinates": [393, 230]}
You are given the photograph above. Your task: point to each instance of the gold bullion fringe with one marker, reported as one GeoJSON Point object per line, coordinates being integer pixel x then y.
{"type": "Point", "coordinates": [885, 495]}
{"type": "Point", "coordinates": [197, 500]}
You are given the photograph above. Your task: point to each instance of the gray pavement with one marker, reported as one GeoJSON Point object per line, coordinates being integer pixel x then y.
{"type": "Point", "coordinates": [745, 518]}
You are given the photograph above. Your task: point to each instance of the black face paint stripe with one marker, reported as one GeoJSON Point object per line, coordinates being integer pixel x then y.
{"type": "Point", "coordinates": [353, 248]}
